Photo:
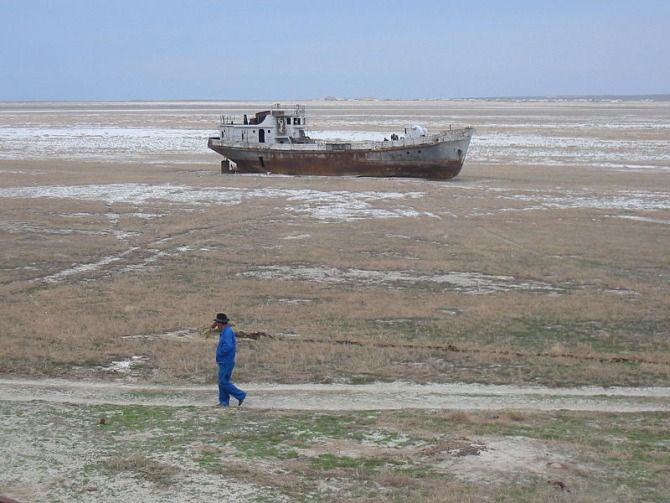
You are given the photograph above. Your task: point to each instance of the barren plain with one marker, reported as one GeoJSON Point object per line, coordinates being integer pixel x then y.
{"type": "Point", "coordinates": [503, 336]}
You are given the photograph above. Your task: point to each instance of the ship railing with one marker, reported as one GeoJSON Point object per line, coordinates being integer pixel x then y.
{"type": "Point", "coordinates": [295, 110]}
{"type": "Point", "coordinates": [228, 120]}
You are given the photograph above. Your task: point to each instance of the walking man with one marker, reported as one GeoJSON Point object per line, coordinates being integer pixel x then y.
{"type": "Point", "coordinates": [225, 359]}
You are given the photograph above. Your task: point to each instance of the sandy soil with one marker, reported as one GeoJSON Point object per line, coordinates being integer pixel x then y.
{"type": "Point", "coordinates": [379, 396]}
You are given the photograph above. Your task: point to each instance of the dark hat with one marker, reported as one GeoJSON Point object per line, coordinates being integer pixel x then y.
{"type": "Point", "coordinates": [221, 318]}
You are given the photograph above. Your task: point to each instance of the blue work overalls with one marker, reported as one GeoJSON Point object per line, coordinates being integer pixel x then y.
{"type": "Point", "coordinates": [225, 358]}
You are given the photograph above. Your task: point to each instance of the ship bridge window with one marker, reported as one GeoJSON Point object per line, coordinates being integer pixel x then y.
{"type": "Point", "coordinates": [296, 121]}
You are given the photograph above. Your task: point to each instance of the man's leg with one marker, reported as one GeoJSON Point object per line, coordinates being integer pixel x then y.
{"type": "Point", "coordinates": [224, 382]}
{"type": "Point", "coordinates": [237, 393]}
{"type": "Point", "coordinates": [230, 388]}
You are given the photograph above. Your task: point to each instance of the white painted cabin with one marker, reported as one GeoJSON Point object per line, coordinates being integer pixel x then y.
{"type": "Point", "coordinates": [275, 126]}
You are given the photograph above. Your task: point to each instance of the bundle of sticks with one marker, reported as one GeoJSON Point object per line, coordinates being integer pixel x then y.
{"type": "Point", "coordinates": [208, 331]}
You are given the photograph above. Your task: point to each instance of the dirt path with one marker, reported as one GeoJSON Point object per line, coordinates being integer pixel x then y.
{"type": "Point", "coordinates": [346, 397]}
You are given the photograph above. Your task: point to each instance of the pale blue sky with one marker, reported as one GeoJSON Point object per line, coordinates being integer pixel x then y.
{"type": "Point", "coordinates": [299, 49]}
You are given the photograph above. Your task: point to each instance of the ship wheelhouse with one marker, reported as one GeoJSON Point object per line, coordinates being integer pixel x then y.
{"type": "Point", "coordinates": [277, 125]}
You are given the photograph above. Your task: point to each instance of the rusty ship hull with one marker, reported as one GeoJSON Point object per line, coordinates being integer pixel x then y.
{"type": "Point", "coordinates": [436, 157]}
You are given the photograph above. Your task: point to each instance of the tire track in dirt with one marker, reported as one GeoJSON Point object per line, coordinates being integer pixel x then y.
{"type": "Point", "coordinates": [346, 397]}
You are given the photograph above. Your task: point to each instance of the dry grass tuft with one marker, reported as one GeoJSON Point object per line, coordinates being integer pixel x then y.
{"type": "Point", "coordinates": [148, 469]}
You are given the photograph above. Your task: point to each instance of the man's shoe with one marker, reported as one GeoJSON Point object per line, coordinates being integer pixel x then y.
{"type": "Point", "coordinates": [223, 405]}
{"type": "Point", "coordinates": [239, 402]}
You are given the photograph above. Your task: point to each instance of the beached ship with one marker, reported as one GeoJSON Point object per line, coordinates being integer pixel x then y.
{"type": "Point", "coordinates": [275, 141]}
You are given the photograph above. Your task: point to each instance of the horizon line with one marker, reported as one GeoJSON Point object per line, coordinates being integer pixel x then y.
{"type": "Point", "coordinates": [631, 97]}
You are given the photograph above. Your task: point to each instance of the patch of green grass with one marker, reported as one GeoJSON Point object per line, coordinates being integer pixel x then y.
{"type": "Point", "coordinates": [338, 425]}
{"type": "Point", "coordinates": [135, 417]}
{"type": "Point", "coordinates": [417, 472]}
{"type": "Point", "coordinates": [331, 461]}
{"type": "Point", "coordinates": [282, 436]}
{"type": "Point", "coordinates": [208, 459]}
{"type": "Point", "coordinates": [265, 446]}
{"type": "Point", "coordinates": [346, 426]}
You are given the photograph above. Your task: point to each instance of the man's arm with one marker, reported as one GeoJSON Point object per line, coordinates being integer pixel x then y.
{"type": "Point", "coordinates": [226, 344]}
